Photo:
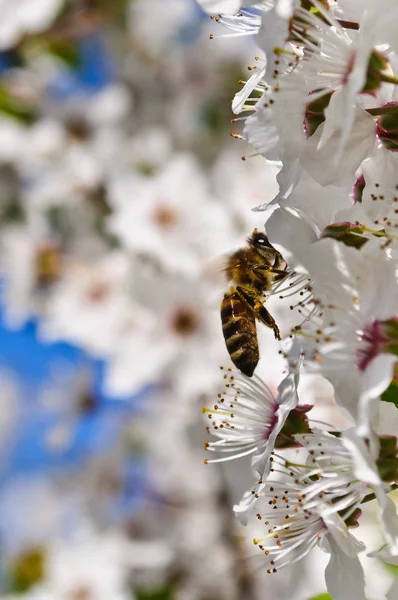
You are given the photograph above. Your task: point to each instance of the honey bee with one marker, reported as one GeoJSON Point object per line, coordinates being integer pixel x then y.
{"type": "Point", "coordinates": [253, 270]}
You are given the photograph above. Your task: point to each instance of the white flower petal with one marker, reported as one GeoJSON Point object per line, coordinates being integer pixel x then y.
{"type": "Point", "coordinates": [389, 520]}
{"type": "Point", "coordinates": [320, 162]}
{"type": "Point", "coordinates": [364, 466]}
{"type": "Point", "coordinates": [344, 575]}
{"type": "Point", "coordinates": [241, 97]}
{"type": "Point", "coordinates": [392, 593]}
{"type": "Point", "coordinates": [291, 234]}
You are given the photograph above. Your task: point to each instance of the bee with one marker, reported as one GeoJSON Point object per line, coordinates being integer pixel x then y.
{"type": "Point", "coordinates": [253, 270]}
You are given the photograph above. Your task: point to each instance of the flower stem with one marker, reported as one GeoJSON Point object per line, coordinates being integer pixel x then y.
{"type": "Point", "coordinates": [389, 78]}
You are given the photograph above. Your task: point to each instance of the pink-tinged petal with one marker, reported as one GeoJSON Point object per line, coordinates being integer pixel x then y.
{"type": "Point", "coordinates": [344, 575]}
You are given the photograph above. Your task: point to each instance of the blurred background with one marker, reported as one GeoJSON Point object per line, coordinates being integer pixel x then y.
{"type": "Point", "coordinates": [120, 192]}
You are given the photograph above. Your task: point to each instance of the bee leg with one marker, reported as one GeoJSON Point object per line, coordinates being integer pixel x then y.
{"type": "Point", "coordinates": [259, 268]}
{"type": "Point", "coordinates": [260, 312]}
{"type": "Point", "coordinates": [263, 315]}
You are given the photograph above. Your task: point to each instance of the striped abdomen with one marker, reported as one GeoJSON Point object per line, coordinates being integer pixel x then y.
{"type": "Point", "coordinates": [239, 329]}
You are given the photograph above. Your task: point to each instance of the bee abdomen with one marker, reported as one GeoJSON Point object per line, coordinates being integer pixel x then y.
{"type": "Point", "coordinates": [239, 329]}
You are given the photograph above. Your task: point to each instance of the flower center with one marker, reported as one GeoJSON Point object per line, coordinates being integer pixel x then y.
{"type": "Point", "coordinates": [78, 129]}
{"type": "Point", "coordinates": [373, 338]}
{"type": "Point", "coordinates": [165, 217]}
{"type": "Point", "coordinates": [98, 292]}
{"type": "Point", "coordinates": [87, 403]}
{"type": "Point", "coordinates": [185, 321]}
{"type": "Point", "coordinates": [81, 593]}
{"type": "Point", "coordinates": [48, 265]}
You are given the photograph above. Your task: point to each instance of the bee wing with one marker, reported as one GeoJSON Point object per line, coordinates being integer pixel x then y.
{"type": "Point", "coordinates": [214, 270]}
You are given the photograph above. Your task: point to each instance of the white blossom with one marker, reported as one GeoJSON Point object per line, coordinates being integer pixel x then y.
{"type": "Point", "coordinates": [25, 17]}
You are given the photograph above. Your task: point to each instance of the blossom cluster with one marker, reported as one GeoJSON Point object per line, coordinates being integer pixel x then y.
{"type": "Point", "coordinates": [322, 103]}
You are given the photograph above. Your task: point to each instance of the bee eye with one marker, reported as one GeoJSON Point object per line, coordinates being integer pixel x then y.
{"type": "Point", "coordinates": [261, 240]}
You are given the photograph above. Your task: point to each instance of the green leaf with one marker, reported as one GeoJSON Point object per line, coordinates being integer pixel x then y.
{"type": "Point", "coordinates": [66, 51]}
{"type": "Point", "coordinates": [393, 569]}
{"type": "Point", "coordinates": [163, 593]}
{"type": "Point", "coordinates": [391, 394]}
{"type": "Point", "coordinates": [15, 107]}
{"type": "Point", "coordinates": [321, 597]}
{"type": "Point", "coordinates": [27, 570]}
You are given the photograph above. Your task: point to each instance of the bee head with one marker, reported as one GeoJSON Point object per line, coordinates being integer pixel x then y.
{"type": "Point", "coordinates": [260, 242]}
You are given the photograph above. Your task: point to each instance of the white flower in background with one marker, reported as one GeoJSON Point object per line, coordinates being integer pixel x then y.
{"type": "Point", "coordinates": [12, 138]}
{"type": "Point", "coordinates": [163, 21]}
{"type": "Point", "coordinates": [89, 566]}
{"type": "Point", "coordinates": [51, 510]}
{"type": "Point", "coordinates": [67, 181]}
{"type": "Point", "coordinates": [91, 306]}
{"type": "Point", "coordinates": [70, 156]}
{"type": "Point", "coordinates": [25, 17]}
{"type": "Point", "coordinates": [178, 343]}
{"type": "Point", "coordinates": [149, 150]}
{"type": "Point", "coordinates": [170, 217]}
{"type": "Point", "coordinates": [241, 185]}
{"type": "Point", "coordinates": [30, 264]}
